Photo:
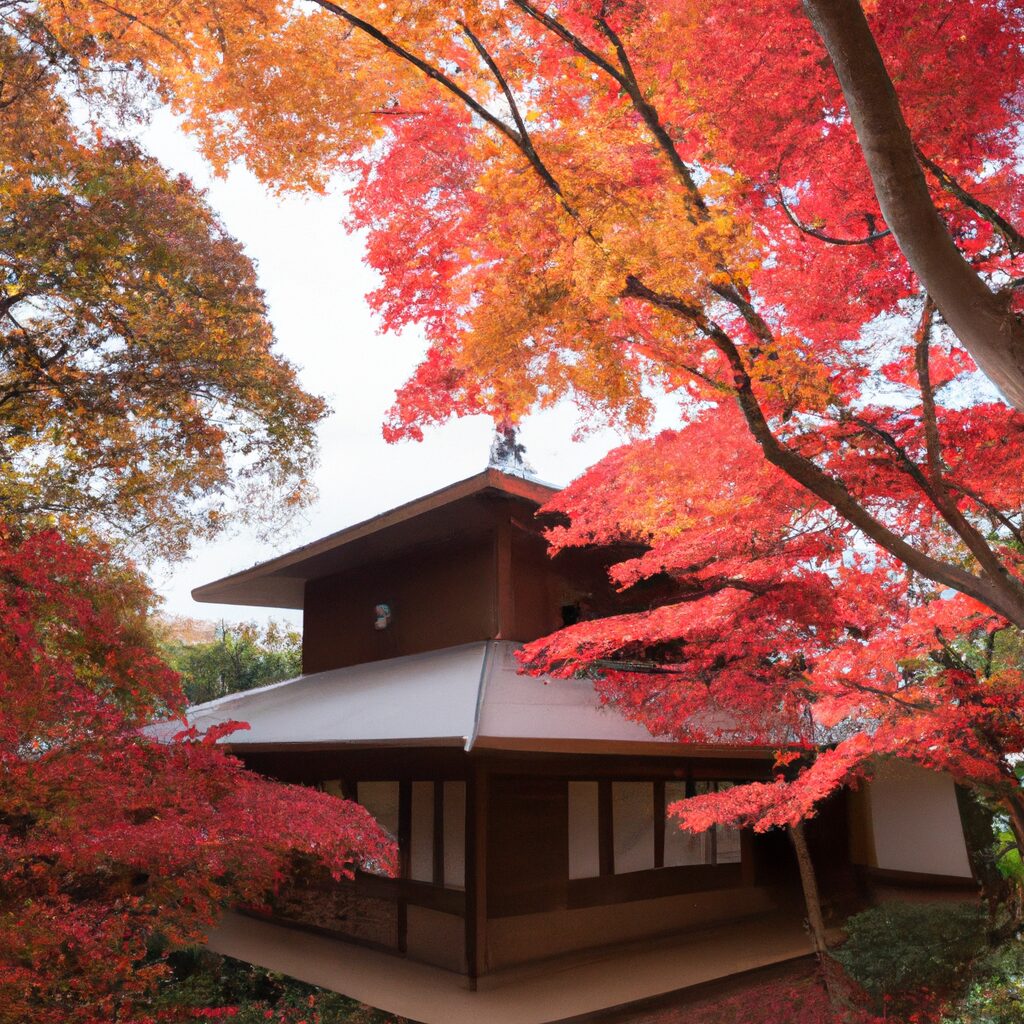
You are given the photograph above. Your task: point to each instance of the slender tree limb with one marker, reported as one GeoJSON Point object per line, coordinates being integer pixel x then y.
{"type": "Point", "coordinates": [625, 76]}
{"type": "Point", "coordinates": [939, 497]}
{"type": "Point", "coordinates": [933, 443]}
{"type": "Point", "coordinates": [525, 142]}
{"type": "Point", "coordinates": [997, 516]}
{"type": "Point", "coordinates": [980, 318]}
{"type": "Point", "coordinates": [565, 34]}
{"type": "Point", "coordinates": [651, 118]}
{"type": "Point", "coordinates": [875, 236]}
{"type": "Point", "coordinates": [134, 19]}
{"type": "Point", "coordinates": [518, 136]}
{"type": "Point", "coordinates": [1014, 239]}
{"type": "Point", "coordinates": [433, 73]}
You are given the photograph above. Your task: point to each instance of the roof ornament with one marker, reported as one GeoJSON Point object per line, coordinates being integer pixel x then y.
{"type": "Point", "coordinates": [507, 452]}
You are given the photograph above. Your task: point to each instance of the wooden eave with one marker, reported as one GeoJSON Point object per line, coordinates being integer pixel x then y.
{"type": "Point", "coordinates": [449, 513]}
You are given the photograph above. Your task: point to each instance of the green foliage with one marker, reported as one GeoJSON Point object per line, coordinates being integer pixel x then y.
{"type": "Point", "coordinates": [996, 993]}
{"type": "Point", "coordinates": [896, 949]}
{"type": "Point", "coordinates": [203, 981]}
{"type": "Point", "coordinates": [239, 657]}
{"type": "Point", "coordinates": [1008, 856]}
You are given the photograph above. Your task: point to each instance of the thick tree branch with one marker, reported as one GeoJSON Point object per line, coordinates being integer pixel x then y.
{"type": "Point", "coordinates": [980, 318]}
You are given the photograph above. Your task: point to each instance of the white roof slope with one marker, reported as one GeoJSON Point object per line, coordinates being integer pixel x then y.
{"type": "Point", "coordinates": [466, 696]}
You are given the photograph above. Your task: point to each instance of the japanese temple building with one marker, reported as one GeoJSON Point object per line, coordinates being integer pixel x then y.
{"type": "Point", "coordinates": [539, 880]}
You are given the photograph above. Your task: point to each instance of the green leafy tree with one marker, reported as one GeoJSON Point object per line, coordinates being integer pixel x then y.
{"type": "Point", "coordinates": [235, 657]}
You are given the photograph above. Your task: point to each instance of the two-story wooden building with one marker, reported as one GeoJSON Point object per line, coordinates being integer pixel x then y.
{"type": "Point", "coordinates": [539, 880]}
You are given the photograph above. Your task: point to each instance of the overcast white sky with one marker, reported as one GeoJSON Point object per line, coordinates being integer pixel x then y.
{"type": "Point", "coordinates": [315, 280]}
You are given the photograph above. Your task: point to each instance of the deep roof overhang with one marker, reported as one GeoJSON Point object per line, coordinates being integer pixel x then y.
{"type": "Point", "coordinates": [449, 513]}
{"type": "Point", "coordinates": [471, 696]}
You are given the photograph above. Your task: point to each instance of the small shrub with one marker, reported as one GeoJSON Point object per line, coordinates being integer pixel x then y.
{"type": "Point", "coordinates": [895, 950]}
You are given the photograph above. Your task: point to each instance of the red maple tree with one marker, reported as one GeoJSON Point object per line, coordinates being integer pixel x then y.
{"type": "Point", "coordinates": [783, 629]}
{"type": "Point", "coordinates": [113, 844]}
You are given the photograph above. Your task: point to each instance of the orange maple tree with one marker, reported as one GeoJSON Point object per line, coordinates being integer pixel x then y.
{"type": "Point", "coordinates": [576, 199]}
{"type": "Point", "coordinates": [141, 399]}
{"type": "Point", "coordinates": [140, 391]}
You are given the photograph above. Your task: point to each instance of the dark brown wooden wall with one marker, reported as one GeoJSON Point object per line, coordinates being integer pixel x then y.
{"type": "Point", "coordinates": [439, 598]}
{"type": "Point", "coordinates": [527, 844]}
{"type": "Point", "coordinates": [488, 576]}
{"type": "Point", "coordinates": [538, 591]}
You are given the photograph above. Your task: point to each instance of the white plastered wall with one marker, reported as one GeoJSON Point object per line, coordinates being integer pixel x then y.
{"type": "Point", "coordinates": [915, 822]}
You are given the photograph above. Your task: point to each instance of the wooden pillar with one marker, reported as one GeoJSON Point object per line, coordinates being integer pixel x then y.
{"type": "Point", "coordinates": [439, 832]}
{"type": "Point", "coordinates": [476, 872]}
{"type": "Point", "coordinates": [404, 844]}
{"type": "Point", "coordinates": [660, 812]}
{"type": "Point", "coordinates": [504, 592]}
{"type": "Point", "coordinates": [748, 867]}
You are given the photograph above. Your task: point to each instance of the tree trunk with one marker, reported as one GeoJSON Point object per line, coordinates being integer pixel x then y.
{"type": "Point", "coordinates": [1015, 808]}
{"type": "Point", "coordinates": [809, 883]}
{"type": "Point", "coordinates": [980, 318]}
{"type": "Point", "coordinates": [815, 918]}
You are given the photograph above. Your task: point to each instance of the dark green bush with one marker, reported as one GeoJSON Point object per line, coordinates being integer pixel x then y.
{"type": "Point", "coordinates": [897, 949]}
{"type": "Point", "coordinates": [996, 991]}
{"type": "Point", "coordinates": [203, 981]}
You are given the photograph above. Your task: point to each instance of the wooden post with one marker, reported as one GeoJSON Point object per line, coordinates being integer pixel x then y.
{"type": "Point", "coordinates": [504, 591]}
{"type": "Point", "coordinates": [660, 813]}
{"type": "Point", "coordinates": [476, 872]}
{"type": "Point", "coordinates": [605, 828]}
{"type": "Point", "coordinates": [747, 865]}
{"type": "Point", "coordinates": [438, 832]}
